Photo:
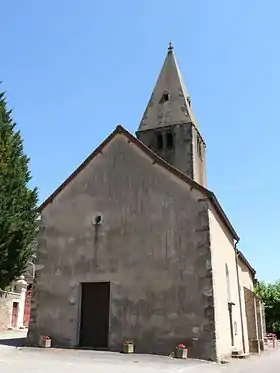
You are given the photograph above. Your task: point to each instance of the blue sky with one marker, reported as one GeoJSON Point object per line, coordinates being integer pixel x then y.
{"type": "Point", "coordinates": [73, 70]}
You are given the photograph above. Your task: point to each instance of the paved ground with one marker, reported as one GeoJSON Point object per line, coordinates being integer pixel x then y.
{"type": "Point", "coordinates": [14, 358]}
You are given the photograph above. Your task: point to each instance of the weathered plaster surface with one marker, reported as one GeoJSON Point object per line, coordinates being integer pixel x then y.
{"type": "Point", "coordinates": [246, 277]}
{"type": "Point", "coordinates": [222, 248]}
{"type": "Point", "coordinates": [153, 246]}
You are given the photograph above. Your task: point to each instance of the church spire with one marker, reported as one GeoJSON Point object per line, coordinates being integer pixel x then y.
{"type": "Point", "coordinates": [169, 103]}
{"type": "Point", "coordinates": [168, 126]}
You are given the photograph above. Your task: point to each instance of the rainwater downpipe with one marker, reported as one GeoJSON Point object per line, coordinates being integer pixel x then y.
{"type": "Point", "coordinates": [239, 295]}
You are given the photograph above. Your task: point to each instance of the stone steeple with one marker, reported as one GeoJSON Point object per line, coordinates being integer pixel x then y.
{"type": "Point", "coordinates": [168, 125]}
{"type": "Point", "coordinates": [169, 103]}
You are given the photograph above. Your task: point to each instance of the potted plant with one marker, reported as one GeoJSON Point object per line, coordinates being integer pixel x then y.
{"type": "Point", "coordinates": [45, 341]}
{"type": "Point", "coordinates": [128, 347]}
{"type": "Point", "coordinates": [181, 351]}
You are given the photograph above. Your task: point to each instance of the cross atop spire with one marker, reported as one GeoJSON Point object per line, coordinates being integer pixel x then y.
{"type": "Point", "coordinates": [170, 102]}
{"type": "Point", "coordinates": [170, 46]}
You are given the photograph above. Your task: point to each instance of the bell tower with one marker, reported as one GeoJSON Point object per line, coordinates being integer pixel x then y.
{"type": "Point", "coordinates": [168, 126]}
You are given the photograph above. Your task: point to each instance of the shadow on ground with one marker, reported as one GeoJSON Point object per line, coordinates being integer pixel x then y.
{"type": "Point", "coordinates": [13, 342]}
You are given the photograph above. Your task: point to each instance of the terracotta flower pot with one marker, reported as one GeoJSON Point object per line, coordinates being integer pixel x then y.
{"type": "Point", "coordinates": [181, 353]}
{"type": "Point", "coordinates": [128, 348]}
{"type": "Point", "coordinates": [45, 342]}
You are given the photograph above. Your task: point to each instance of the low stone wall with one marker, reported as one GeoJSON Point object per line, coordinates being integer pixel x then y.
{"type": "Point", "coordinates": [6, 308]}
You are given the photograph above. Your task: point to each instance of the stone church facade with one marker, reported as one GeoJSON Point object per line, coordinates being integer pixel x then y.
{"type": "Point", "coordinates": [133, 246]}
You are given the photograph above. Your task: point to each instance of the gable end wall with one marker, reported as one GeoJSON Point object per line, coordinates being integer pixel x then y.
{"type": "Point", "coordinates": [153, 246]}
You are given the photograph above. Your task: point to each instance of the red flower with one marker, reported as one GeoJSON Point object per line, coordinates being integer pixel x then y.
{"type": "Point", "coordinates": [181, 345]}
{"type": "Point", "coordinates": [45, 337]}
{"type": "Point", "coordinates": [127, 342]}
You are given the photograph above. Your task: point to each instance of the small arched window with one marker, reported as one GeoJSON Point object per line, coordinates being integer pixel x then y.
{"type": "Point", "coordinates": [164, 97]}
{"type": "Point", "coordinates": [228, 284]}
{"type": "Point", "coordinates": [169, 140]}
{"type": "Point", "coordinates": [159, 141]}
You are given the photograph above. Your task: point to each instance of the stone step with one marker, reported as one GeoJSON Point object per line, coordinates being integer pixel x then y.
{"type": "Point", "coordinates": [238, 354]}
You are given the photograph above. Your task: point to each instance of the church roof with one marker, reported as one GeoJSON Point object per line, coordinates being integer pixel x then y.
{"type": "Point", "coordinates": [170, 102]}
{"type": "Point", "coordinates": [120, 130]}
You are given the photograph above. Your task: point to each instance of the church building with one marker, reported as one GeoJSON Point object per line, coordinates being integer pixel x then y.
{"type": "Point", "coordinates": [134, 246]}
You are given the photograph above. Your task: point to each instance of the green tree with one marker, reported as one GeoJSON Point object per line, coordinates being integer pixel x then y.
{"type": "Point", "coordinates": [270, 296]}
{"type": "Point", "coordinates": [17, 201]}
